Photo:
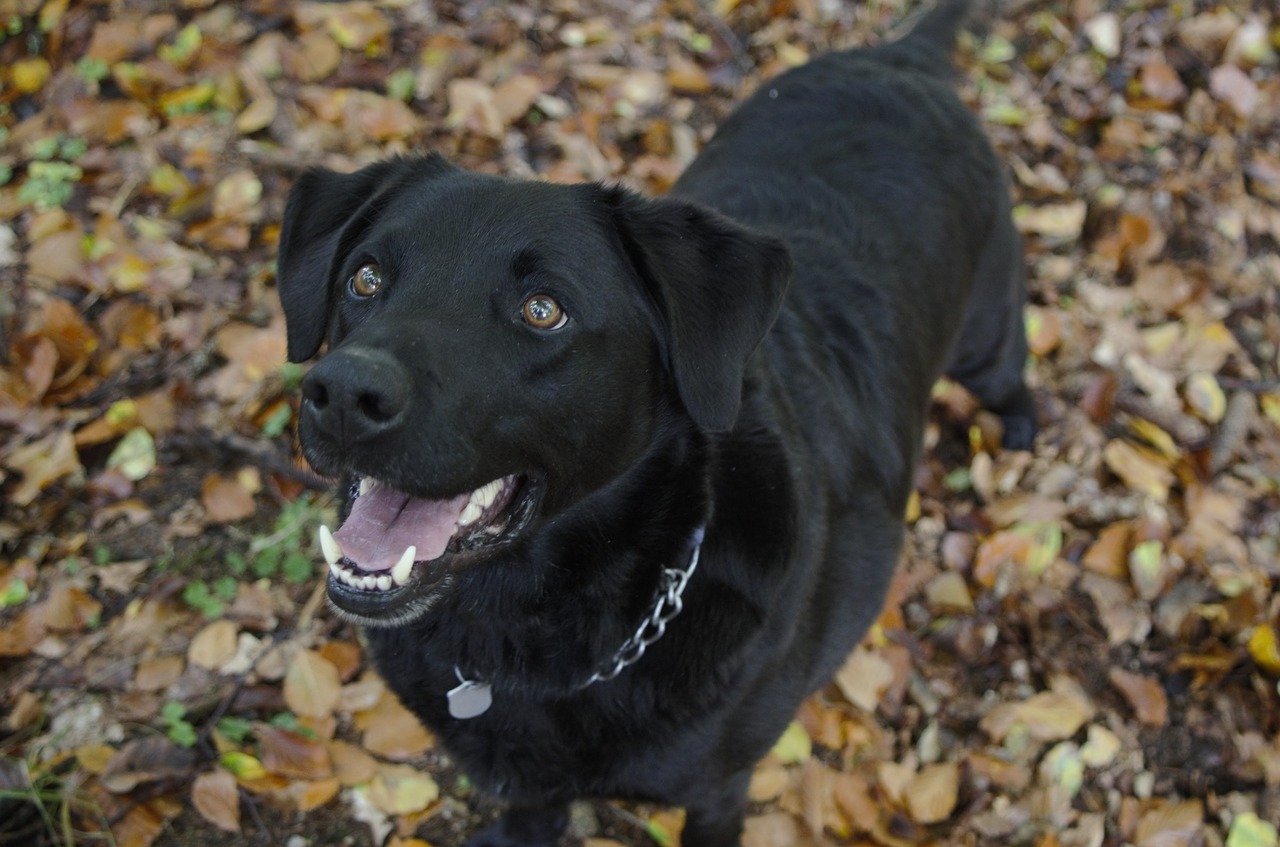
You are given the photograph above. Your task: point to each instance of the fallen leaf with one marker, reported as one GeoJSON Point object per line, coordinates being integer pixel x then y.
{"type": "Point", "coordinates": [1171, 824]}
{"type": "Point", "coordinates": [1047, 716]}
{"type": "Point", "coordinates": [932, 793]}
{"type": "Point", "coordinates": [351, 764]}
{"type": "Point", "coordinates": [1145, 696]}
{"type": "Point", "coordinates": [41, 463]}
{"type": "Point", "coordinates": [217, 798]}
{"type": "Point", "coordinates": [794, 746]}
{"type": "Point", "coordinates": [293, 754]}
{"type": "Point", "coordinates": [312, 685]}
{"type": "Point", "coordinates": [864, 678]}
{"type": "Point", "coordinates": [1141, 470]}
{"type": "Point", "coordinates": [402, 790]}
{"type": "Point", "coordinates": [213, 645]}
{"type": "Point", "coordinates": [226, 499]}
{"type": "Point", "coordinates": [1235, 88]}
{"type": "Point", "coordinates": [391, 731]}
{"type": "Point", "coordinates": [1249, 830]}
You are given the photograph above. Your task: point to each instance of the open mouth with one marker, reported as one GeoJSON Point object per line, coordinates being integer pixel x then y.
{"type": "Point", "coordinates": [392, 545]}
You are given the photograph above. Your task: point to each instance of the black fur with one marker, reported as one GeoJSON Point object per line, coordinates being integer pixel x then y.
{"type": "Point", "coordinates": [754, 353]}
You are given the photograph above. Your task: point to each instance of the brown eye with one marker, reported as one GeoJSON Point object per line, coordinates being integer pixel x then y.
{"type": "Point", "coordinates": [541, 312]}
{"type": "Point", "coordinates": [367, 280]}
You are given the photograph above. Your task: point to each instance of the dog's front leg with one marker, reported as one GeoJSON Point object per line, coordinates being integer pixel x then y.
{"type": "Point", "coordinates": [525, 826]}
{"type": "Point", "coordinates": [715, 818]}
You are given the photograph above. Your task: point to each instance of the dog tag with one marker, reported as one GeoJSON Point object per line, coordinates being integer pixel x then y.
{"type": "Point", "coordinates": [470, 699]}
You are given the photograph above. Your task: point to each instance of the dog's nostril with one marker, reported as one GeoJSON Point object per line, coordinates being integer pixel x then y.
{"type": "Point", "coordinates": [376, 406]}
{"type": "Point", "coordinates": [315, 391]}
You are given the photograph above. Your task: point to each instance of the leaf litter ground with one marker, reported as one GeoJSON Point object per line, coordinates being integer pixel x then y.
{"type": "Point", "coordinates": [1082, 647]}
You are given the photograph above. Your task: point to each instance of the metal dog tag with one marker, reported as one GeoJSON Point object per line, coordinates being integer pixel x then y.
{"type": "Point", "coordinates": [470, 699]}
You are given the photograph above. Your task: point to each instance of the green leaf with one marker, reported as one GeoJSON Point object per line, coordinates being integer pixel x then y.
{"type": "Point", "coordinates": [267, 562]}
{"type": "Point", "coordinates": [236, 562]}
{"type": "Point", "coordinates": [401, 85]}
{"type": "Point", "coordinates": [226, 588]}
{"type": "Point", "coordinates": [92, 69]}
{"type": "Point", "coordinates": [172, 712]}
{"type": "Point", "coordinates": [278, 421]}
{"type": "Point", "coordinates": [135, 455]}
{"type": "Point", "coordinates": [235, 729]}
{"type": "Point", "coordinates": [297, 568]}
{"type": "Point", "coordinates": [794, 746]}
{"type": "Point", "coordinates": [15, 594]}
{"type": "Point", "coordinates": [1249, 830]}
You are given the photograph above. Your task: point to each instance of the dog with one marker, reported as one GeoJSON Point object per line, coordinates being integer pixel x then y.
{"type": "Point", "coordinates": [624, 478]}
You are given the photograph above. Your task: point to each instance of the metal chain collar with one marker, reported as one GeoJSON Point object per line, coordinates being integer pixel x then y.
{"type": "Point", "coordinates": [668, 604]}
{"type": "Point", "coordinates": [472, 697]}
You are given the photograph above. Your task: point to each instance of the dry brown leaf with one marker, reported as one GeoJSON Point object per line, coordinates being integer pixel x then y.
{"type": "Point", "coordinates": [1141, 470]}
{"type": "Point", "coordinates": [1145, 696]}
{"type": "Point", "coordinates": [1160, 81]}
{"type": "Point", "coordinates": [864, 678]}
{"type": "Point", "coordinates": [932, 793]}
{"type": "Point", "coordinates": [213, 646]}
{"type": "Point", "coordinates": [392, 732]}
{"type": "Point", "coordinates": [217, 798]}
{"type": "Point", "coordinates": [1171, 824]}
{"type": "Point", "coordinates": [293, 754]}
{"type": "Point", "coordinates": [1047, 716]}
{"type": "Point", "coordinates": [1235, 88]}
{"type": "Point", "coordinates": [225, 499]}
{"type": "Point", "coordinates": [312, 685]}
{"type": "Point", "coordinates": [1109, 554]}
{"type": "Point", "coordinates": [41, 463]}
{"type": "Point", "coordinates": [351, 764]}
{"type": "Point", "coordinates": [1057, 222]}
{"type": "Point", "coordinates": [158, 674]}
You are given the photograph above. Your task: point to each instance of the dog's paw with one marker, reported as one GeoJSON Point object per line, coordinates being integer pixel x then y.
{"type": "Point", "coordinates": [524, 827]}
{"type": "Point", "coordinates": [1019, 432]}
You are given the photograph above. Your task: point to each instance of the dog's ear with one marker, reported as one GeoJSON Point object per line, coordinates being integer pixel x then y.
{"type": "Point", "coordinates": [717, 286]}
{"type": "Point", "coordinates": [323, 208]}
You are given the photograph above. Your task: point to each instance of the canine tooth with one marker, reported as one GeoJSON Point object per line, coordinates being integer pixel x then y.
{"type": "Point", "coordinates": [384, 583]}
{"type": "Point", "coordinates": [365, 484]}
{"type": "Point", "coordinates": [329, 546]}
{"type": "Point", "coordinates": [400, 572]}
{"type": "Point", "coordinates": [335, 570]}
{"type": "Point", "coordinates": [470, 514]}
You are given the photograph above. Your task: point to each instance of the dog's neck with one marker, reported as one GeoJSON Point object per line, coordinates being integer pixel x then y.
{"type": "Point", "coordinates": [473, 697]}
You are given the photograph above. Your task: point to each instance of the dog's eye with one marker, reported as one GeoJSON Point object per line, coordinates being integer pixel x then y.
{"type": "Point", "coordinates": [541, 312]}
{"type": "Point", "coordinates": [367, 280]}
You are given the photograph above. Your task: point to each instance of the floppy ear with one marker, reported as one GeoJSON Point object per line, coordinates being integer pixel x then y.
{"type": "Point", "coordinates": [717, 286]}
{"type": "Point", "coordinates": [322, 205]}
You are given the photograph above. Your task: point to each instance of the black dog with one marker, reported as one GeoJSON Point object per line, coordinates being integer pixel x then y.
{"type": "Point", "coordinates": [626, 476]}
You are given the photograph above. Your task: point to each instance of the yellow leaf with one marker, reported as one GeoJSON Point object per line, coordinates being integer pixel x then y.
{"type": "Point", "coordinates": [1264, 647]}
{"type": "Point", "coordinates": [1204, 396]}
{"type": "Point", "coordinates": [402, 790]}
{"type": "Point", "coordinates": [242, 765]}
{"type": "Point", "coordinates": [794, 746]}
{"type": "Point", "coordinates": [29, 75]}
{"type": "Point", "coordinates": [1155, 436]}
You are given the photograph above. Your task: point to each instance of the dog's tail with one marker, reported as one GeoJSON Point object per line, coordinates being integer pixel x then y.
{"type": "Point", "coordinates": [930, 42]}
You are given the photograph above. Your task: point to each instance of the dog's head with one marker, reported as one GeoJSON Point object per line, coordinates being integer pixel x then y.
{"type": "Point", "coordinates": [499, 350]}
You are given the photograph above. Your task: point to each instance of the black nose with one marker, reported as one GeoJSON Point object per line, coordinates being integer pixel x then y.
{"type": "Point", "coordinates": [356, 394]}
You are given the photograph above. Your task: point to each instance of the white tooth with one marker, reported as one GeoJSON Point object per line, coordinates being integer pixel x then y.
{"type": "Point", "coordinates": [365, 485]}
{"type": "Point", "coordinates": [335, 570]}
{"type": "Point", "coordinates": [400, 573]}
{"type": "Point", "coordinates": [470, 514]}
{"type": "Point", "coordinates": [349, 578]}
{"type": "Point", "coordinates": [329, 546]}
{"type": "Point", "coordinates": [365, 583]}
{"type": "Point", "coordinates": [487, 494]}
{"type": "Point", "coordinates": [384, 583]}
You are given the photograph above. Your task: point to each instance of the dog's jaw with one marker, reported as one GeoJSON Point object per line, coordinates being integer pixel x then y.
{"type": "Point", "coordinates": [373, 585]}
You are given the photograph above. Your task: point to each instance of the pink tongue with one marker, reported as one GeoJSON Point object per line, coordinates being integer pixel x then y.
{"type": "Point", "coordinates": [383, 522]}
